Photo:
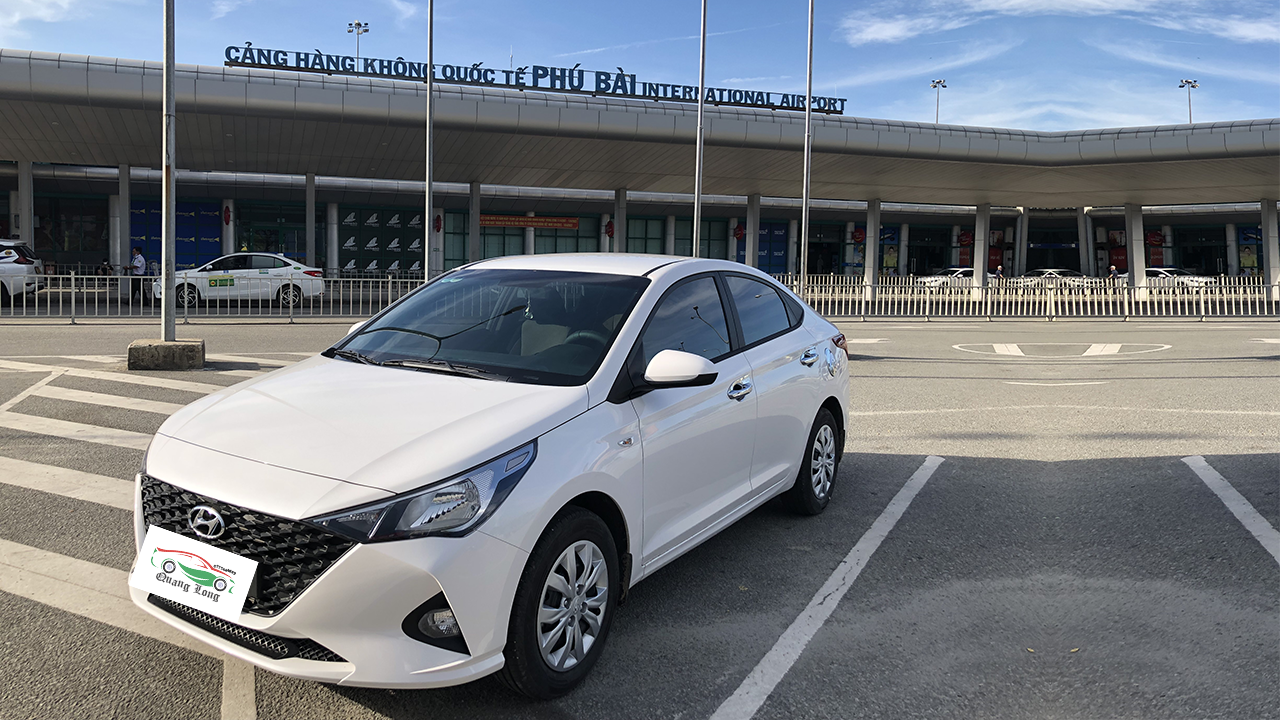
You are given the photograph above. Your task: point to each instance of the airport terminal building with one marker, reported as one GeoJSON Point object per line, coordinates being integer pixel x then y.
{"type": "Point", "coordinates": [326, 166]}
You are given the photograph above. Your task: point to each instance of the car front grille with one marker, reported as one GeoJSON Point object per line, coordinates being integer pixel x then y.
{"type": "Point", "coordinates": [290, 554]}
{"type": "Point", "coordinates": [272, 646]}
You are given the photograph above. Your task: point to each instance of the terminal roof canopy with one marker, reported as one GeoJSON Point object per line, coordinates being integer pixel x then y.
{"type": "Point", "coordinates": [105, 111]}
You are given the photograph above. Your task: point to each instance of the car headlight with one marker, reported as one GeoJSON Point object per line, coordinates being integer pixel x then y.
{"type": "Point", "coordinates": [451, 507]}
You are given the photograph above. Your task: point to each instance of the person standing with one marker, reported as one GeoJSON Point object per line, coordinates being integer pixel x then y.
{"type": "Point", "coordinates": [999, 272]}
{"type": "Point", "coordinates": [138, 271]}
{"type": "Point", "coordinates": [1114, 275]}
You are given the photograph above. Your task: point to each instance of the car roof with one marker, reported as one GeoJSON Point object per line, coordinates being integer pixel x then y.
{"type": "Point", "coordinates": [609, 263]}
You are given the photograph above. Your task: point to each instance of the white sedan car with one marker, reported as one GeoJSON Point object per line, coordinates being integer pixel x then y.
{"type": "Point", "coordinates": [471, 481]}
{"type": "Point", "coordinates": [246, 276]}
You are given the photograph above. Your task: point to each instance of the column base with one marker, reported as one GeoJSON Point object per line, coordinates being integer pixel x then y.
{"type": "Point", "coordinates": [161, 355]}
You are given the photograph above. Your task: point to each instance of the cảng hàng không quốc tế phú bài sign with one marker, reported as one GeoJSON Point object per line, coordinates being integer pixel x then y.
{"type": "Point", "coordinates": [534, 77]}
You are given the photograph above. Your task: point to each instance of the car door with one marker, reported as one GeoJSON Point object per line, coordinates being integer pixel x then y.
{"type": "Point", "coordinates": [216, 280]}
{"type": "Point", "coordinates": [696, 441]}
{"type": "Point", "coordinates": [785, 364]}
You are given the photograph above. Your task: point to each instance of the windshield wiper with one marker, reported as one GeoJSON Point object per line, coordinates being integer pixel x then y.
{"type": "Point", "coordinates": [444, 366]}
{"type": "Point", "coordinates": [351, 355]}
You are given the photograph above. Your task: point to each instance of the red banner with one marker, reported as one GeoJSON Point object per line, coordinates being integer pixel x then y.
{"type": "Point", "coordinates": [557, 223]}
{"type": "Point", "coordinates": [1155, 237]}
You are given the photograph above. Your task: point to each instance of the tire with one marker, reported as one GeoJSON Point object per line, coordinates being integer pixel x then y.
{"type": "Point", "coordinates": [530, 671]}
{"type": "Point", "coordinates": [168, 566]}
{"type": "Point", "coordinates": [289, 296]}
{"type": "Point", "coordinates": [220, 584]}
{"type": "Point", "coordinates": [186, 295]}
{"type": "Point", "coordinates": [4, 295]}
{"type": "Point", "coordinates": [812, 489]}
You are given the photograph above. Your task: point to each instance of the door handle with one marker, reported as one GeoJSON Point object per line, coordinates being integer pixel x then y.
{"type": "Point", "coordinates": [810, 356]}
{"type": "Point", "coordinates": [740, 389]}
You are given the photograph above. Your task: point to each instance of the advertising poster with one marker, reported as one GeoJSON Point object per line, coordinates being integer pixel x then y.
{"type": "Point", "coordinates": [997, 238]}
{"type": "Point", "coordinates": [1155, 256]}
{"type": "Point", "coordinates": [966, 239]}
{"type": "Point", "coordinates": [995, 257]}
{"type": "Point", "coordinates": [1115, 238]}
{"type": "Point", "coordinates": [966, 255]}
{"type": "Point", "coordinates": [1119, 257]}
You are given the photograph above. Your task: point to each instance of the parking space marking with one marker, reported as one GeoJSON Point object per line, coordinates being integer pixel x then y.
{"type": "Point", "coordinates": [31, 390]}
{"type": "Point", "coordinates": [245, 373]}
{"type": "Point", "coordinates": [766, 675]}
{"type": "Point", "coordinates": [1237, 504]}
{"type": "Point", "coordinates": [246, 359]}
{"type": "Point", "coordinates": [160, 382]}
{"type": "Point", "coordinates": [68, 483]}
{"type": "Point", "coordinates": [239, 699]}
{"type": "Point", "coordinates": [1066, 384]}
{"type": "Point", "coordinates": [116, 401]}
{"type": "Point", "coordinates": [74, 431]}
{"type": "Point", "coordinates": [104, 359]}
{"type": "Point", "coordinates": [85, 589]}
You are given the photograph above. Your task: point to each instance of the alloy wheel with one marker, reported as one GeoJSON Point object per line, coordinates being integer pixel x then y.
{"type": "Point", "coordinates": [822, 461]}
{"type": "Point", "coordinates": [572, 606]}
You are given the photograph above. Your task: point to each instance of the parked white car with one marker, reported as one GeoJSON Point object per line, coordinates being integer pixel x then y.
{"type": "Point", "coordinates": [246, 276]}
{"type": "Point", "coordinates": [952, 276]}
{"type": "Point", "coordinates": [1178, 277]}
{"type": "Point", "coordinates": [19, 271]}
{"type": "Point", "coordinates": [471, 481]}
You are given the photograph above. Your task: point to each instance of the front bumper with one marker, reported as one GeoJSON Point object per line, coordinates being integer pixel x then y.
{"type": "Point", "coordinates": [356, 608]}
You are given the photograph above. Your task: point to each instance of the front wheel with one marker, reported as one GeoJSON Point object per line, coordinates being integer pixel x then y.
{"type": "Point", "coordinates": [187, 296]}
{"type": "Point", "coordinates": [563, 607]}
{"type": "Point", "coordinates": [289, 296]}
{"type": "Point", "coordinates": [812, 491]}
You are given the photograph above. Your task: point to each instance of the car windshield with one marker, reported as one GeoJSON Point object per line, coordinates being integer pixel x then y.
{"type": "Point", "coordinates": [535, 326]}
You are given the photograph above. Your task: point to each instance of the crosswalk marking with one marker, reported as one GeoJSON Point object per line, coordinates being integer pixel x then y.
{"type": "Point", "coordinates": [104, 359]}
{"type": "Point", "coordinates": [85, 589]}
{"type": "Point", "coordinates": [246, 359]}
{"type": "Point", "coordinates": [1102, 349]}
{"type": "Point", "coordinates": [74, 430]}
{"type": "Point", "coordinates": [116, 401]}
{"type": "Point", "coordinates": [1006, 349]}
{"type": "Point", "coordinates": [245, 373]}
{"type": "Point", "coordinates": [160, 382]}
{"type": "Point", "coordinates": [68, 483]}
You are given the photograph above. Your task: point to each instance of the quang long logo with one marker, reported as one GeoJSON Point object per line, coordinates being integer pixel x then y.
{"type": "Point", "coordinates": [175, 565]}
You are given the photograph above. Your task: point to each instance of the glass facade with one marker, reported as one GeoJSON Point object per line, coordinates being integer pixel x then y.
{"type": "Point", "coordinates": [585, 239]}
{"type": "Point", "coordinates": [714, 236]}
{"type": "Point", "coordinates": [71, 230]}
{"type": "Point", "coordinates": [646, 235]}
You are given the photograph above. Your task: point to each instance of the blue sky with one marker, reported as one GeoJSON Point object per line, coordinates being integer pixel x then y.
{"type": "Point", "coordinates": [1034, 64]}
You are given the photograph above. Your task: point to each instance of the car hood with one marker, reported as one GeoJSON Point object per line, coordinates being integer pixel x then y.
{"type": "Point", "coordinates": [386, 428]}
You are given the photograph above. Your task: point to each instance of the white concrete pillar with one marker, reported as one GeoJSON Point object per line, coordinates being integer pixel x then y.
{"type": "Point", "coordinates": [871, 255]}
{"type": "Point", "coordinates": [604, 233]}
{"type": "Point", "coordinates": [475, 250]}
{"type": "Point", "coordinates": [981, 238]}
{"type": "Point", "coordinates": [1134, 237]}
{"type": "Point", "coordinates": [1100, 241]}
{"type": "Point", "coordinates": [228, 226]}
{"type": "Point", "coordinates": [330, 237]}
{"type": "Point", "coordinates": [1233, 250]}
{"type": "Point", "coordinates": [114, 241]}
{"type": "Point", "coordinates": [753, 231]}
{"type": "Point", "coordinates": [793, 247]}
{"type": "Point", "coordinates": [849, 248]}
{"type": "Point", "coordinates": [1082, 238]}
{"type": "Point", "coordinates": [732, 240]}
{"type": "Point", "coordinates": [25, 216]}
{"type": "Point", "coordinates": [955, 246]}
{"type": "Point", "coordinates": [120, 254]}
{"type": "Point", "coordinates": [620, 220]}
{"type": "Point", "coordinates": [1009, 233]}
{"type": "Point", "coordinates": [1271, 246]}
{"type": "Point", "coordinates": [1166, 235]}
{"type": "Point", "coordinates": [904, 246]}
{"type": "Point", "coordinates": [1023, 246]}
{"type": "Point", "coordinates": [1091, 248]}
{"type": "Point", "coordinates": [530, 246]}
{"type": "Point", "coordinates": [669, 239]}
{"type": "Point", "coordinates": [309, 225]}
{"type": "Point", "coordinates": [13, 214]}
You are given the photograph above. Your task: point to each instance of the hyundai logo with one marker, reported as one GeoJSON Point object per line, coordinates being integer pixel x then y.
{"type": "Point", "coordinates": [206, 522]}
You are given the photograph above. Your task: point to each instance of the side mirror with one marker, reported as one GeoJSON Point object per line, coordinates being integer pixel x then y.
{"type": "Point", "coordinates": [673, 368]}
{"type": "Point", "coordinates": [356, 326]}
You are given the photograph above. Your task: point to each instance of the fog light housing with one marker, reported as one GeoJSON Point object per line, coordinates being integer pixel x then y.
{"type": "Point", "coordinates": [439, 624]}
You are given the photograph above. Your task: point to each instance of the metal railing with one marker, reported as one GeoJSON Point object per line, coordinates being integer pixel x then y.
{"type": "Point", "coordinates": [1048, 298]}
{"type": "Point", "coordinates": [73, 296]}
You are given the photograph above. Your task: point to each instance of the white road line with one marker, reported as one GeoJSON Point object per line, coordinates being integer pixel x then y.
{"type": "Point", "coordinates": [1066, 384]}
{"type": "Point", "coordinates": [4, 407]}
{"type": "Point", "coordinates": [755, 689]}
{"type": "Point", "coordinates": [1102, 349]}
{"type": "Point", "coordinates": [74, 430]}
{"type": "Point", "coordinates": [116, 401]}
{"type": "Point", "coordinates": [104, 359]}
{"type": "Point", "coordinates": [1006, 349]}
{"type": "Point", "coordinates": [864, 341]}
{"type": "Point", "coordinates": [1274, 341]}
{"type": "Point", "coordinates": [1235, 502]}
{"type": "Point", "coordinates": [160, 382]}
{"type": "Point", "coordinates": [85, 589]}
{"type": "Point", "coordinates": [1191, 411]}
{"type": "Point", "coordinates": [246, 359]}
{"type": "Point", "coordinates": [299, 354]}
{"type": "Point", "coordinates": [243, 373]}
{"type": "Point", "coordinates": [68, 483]}
{"type": "Point", "coordinates": [239, 701]}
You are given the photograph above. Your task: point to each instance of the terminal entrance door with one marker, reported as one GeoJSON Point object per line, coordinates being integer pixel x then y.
{"type": "Point", "coordinates": [928, 250]}
{"type": "Point", "coordinates": [1053, 248]}
{"type": "Point", "coordinates": [1201, 250]}
{"type": "Point", "coordinates": [288, 240]}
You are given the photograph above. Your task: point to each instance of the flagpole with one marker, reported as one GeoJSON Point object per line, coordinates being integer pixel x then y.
{"type": "Point", "coordinates": [429, 261]}
{"type": "Point", "coordinates": [808, 162]}
{"type": "Point", "coordinates": [697, 180]}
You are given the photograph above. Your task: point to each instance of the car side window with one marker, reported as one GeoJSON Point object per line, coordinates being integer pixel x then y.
{"type": "Point", "coordinates": [221, 266]}
{"type": "Point", "coordinates": [761, 311]}
{"type": "Point", "coordinates": [691, 319]}
{"type": "Point", "coordinates": [280, 263]}
{"type": "Point", "coordinates": [262, 262]}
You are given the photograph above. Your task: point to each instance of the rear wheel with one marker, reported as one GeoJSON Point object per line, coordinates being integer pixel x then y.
{"type": "Point", "coordinates": [289, 296]}
{"type": "Point", "coordinates": [812, 491]}
{"type": "Point", "coordinates": [563, 607]}
{"type": "Point", "coordinates": [187, 296]}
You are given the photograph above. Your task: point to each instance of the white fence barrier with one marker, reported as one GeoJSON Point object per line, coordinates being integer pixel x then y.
{"type": "Point", "coordinates": [292, 297]}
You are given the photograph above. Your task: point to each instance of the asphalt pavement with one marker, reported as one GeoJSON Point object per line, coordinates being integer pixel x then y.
{"type": "Point", "coordinates": [1067, 558]}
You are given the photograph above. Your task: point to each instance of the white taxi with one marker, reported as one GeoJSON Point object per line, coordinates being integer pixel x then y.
{"type": "Point", "coordinates": [247, 276]}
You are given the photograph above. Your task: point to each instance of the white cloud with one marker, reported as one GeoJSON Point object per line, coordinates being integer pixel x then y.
{"type": "Point", "coordinates": [222, 8]}
{"type": "Point", "coordinates": [404, 10]}
{"type": "Point", "coordinates": [742, 80]}
{"type": "Point", "coordinates": [15, 12]}
{"type": "Point", "coordinates": [643, 43]}
{"type": "Point", "coordinates": [1155, 55]}
{"type": "Point", "coordinates": [920, 69]}
{"type": "Point", "coordinates": [895, 21]}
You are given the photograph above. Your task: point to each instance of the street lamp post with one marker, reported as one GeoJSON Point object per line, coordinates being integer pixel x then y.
{"type": "Point", "coordinates": [1189, 84]}
{"type": "Point", "coordinates": [697, 180]}
{"type": "Point", "coordinates": [168, 190]}
{"type": "Point", "coordinates": [359, 29]}
{"type": "Point", "coordinates": [428, 220]}
{"type": "Point", "coordinates": [937, 85]}
{"type": "Point", "coordinates": [808, 163]}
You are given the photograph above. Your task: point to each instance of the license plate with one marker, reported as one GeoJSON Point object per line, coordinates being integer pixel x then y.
{"type": "Point", "coordinates": [193, 573]}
